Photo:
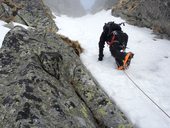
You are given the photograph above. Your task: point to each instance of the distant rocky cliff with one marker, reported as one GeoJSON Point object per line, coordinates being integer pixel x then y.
{"type": "Point", "coordinates": [154, 14]}
{"type": "Point", "coordinates": [43, 83]}
{"type": "Point", "coordinates": [102, 4]}
{"type": "Point", "coordinates": [71, 8]}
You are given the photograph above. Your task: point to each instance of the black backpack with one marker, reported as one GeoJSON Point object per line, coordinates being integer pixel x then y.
{"type": "Point", "coordinates": [112, 28]}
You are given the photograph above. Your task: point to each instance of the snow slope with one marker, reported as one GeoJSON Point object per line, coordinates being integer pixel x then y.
{"type": "Point", "coordinates": [143, 91]}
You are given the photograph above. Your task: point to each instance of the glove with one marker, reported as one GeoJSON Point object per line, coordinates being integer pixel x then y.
{"type": "Point", "coordinates": [100, 57]}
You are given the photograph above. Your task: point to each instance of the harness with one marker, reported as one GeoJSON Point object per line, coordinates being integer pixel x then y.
{"type": "Point", "coordinates": [110, 43]}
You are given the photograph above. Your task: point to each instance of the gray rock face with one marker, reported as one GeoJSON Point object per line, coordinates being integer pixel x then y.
{"type": "Point", "coordinates": [150, 13]}
{"type": "Point", "coordinates": [43, 83]}
{"type": "Point", "coordinates": [34, 88]}
{"type": "Point", "coordinates": [71, 8]}
{"type": "Point", "coordinates": [102, 4]}
{"type": "Point", "coordinates": [32, 13]}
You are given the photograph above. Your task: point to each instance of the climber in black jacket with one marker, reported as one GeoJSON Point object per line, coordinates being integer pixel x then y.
{"type": "Point", "coordinates": [117, 41]}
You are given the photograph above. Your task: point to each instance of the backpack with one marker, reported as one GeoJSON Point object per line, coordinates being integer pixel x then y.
{"type": "Point", "coordinates": [113, 29]}
{"type": "Point", "coordinates": [110, 27]}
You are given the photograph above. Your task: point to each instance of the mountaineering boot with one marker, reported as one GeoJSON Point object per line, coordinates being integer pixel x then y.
{"type": "Point", "coordinates": [120, 67]}
{"type": "Point", "coordinates": [127, 59]}
{"type": "Point", "coordinates": [119, 64]}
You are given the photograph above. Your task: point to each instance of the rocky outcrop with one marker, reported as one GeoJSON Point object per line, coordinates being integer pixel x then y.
{"type": "Point", "coordinates": [34, 91]}
{"type": "Point", "coordinates": [102, 4]}
{"type": "Point", "coordinates": [149, 13]}
{"type": "Point", "coordinates": [32, 13]}
{"type": "Point", "coordinates": [45, 85]}
{"type": "Point", "coordinates": [71, 8]}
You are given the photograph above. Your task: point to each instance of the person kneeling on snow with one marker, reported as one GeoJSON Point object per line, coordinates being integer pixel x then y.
{"type": "Point", "coordinates": [117, 41]}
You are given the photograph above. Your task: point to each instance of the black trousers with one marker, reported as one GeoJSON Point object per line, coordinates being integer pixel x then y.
{"type": "Point", "coordinates": [119, 56]}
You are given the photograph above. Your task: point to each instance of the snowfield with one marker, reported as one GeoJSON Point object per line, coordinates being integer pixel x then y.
{"type": "Point", "coordinates": [143, 91]}
{"type": "Point", "coordinates": [3, 32]}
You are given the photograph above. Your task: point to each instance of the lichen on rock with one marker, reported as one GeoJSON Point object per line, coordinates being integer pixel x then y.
{"type": "Point", "coordinates": [31, 13]}
{"type": "Point", "coordinates": [34, 91]}
{"type": "Point", "coordinates": [44, 83]}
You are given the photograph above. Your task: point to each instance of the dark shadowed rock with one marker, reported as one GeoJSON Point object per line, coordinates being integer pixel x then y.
{"type": "Point", "coordinates": [150, 13]}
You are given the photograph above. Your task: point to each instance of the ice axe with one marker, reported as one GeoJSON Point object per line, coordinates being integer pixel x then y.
{"type": "Point", "coordinates": [123, 23]}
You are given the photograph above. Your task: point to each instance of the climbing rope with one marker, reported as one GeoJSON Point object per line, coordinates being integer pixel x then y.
{"type": "Point", "coordinates": [136, 85]}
